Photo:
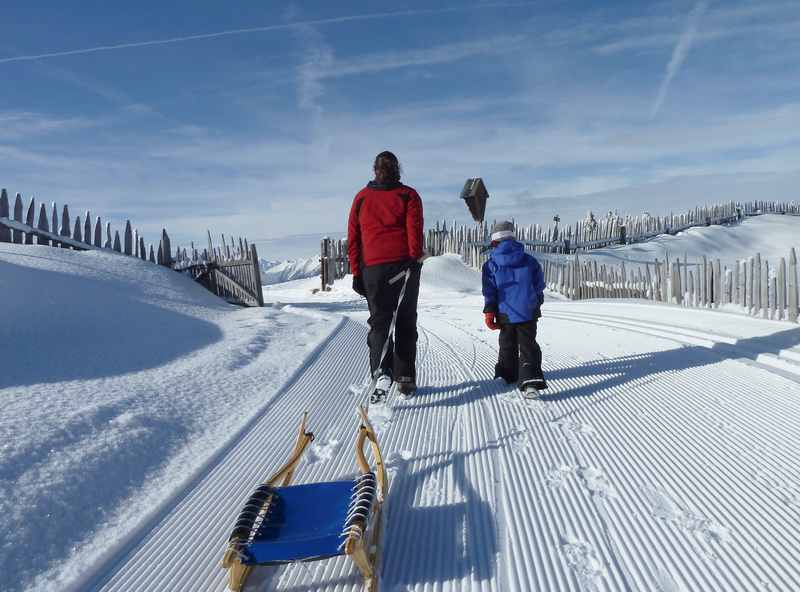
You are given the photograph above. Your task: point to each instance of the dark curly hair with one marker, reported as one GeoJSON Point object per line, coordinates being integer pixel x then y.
{"type": "Point", "coordinates": [387, 168]}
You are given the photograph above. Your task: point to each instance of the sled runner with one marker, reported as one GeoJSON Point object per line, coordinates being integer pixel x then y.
{"type": "Point", "coordinates": [285, 524]}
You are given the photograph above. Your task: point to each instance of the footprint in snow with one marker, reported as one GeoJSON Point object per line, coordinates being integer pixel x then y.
{"type": "Point", "coordinates": [557, 476]}
{"type": "Point", "coordinates": [433, 492]}
{"type": "Point", "coordinates": [584, 562]}
{"type": "Point", "coordinates": [509, 398]}
{"type": "Point", "coordinates": [381, 418]}
{"type": "Point", "coordinates": [665, 582]}
{"type": "Point", "coordinates": [322, 451]}
{"type": "Point", "coordinates": [397, 459]}
{"type": "Point", "coordinates": [571, 428]}
{"type": "Point", "coordinates": [663, 507]}
{"type": "Point", "coordinates": [520, 439]}
{"type": "Point", "coordinates": [597, 483]}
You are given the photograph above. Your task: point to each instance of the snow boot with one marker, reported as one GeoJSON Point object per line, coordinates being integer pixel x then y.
{"type": "Point", "coordinates": [382, 386]}
{"type": "Point", "coordinates": [530, 388]}
{"type": "Point", "coordinates": [406, 385]}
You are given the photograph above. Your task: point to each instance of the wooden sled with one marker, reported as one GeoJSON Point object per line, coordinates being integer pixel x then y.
{"type": "Point", "coordinates": [282, 524]}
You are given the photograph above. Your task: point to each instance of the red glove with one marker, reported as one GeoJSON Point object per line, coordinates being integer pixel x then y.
{"type": "Point", "coordinates": [490, 321]}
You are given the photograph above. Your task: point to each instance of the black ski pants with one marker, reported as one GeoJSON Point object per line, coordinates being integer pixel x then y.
{"type": "Point", "coordinates": [401, 356]}
{"type": "Point", "coordinates": [520, 357]}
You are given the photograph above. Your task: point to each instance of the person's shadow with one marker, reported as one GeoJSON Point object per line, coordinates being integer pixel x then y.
{"type": "Point", "coordinates": [451, 539]}
{"type": "Point", "coordinates": [632, 369]}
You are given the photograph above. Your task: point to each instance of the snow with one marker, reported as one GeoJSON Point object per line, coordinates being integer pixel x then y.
{"type": "Point", "coordinates": [276, 272]}
{"type": "Point", "coordinates": [663, 457]}
{"type": "Point", "coordinates": [120, 380]}
{"type": "Point", "coordinates": [770, 235]}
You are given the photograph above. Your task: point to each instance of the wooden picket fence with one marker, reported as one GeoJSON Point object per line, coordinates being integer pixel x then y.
{"type": "Point", "coordinates": [334, 263]}
{"type": "Point", "coordinates": [229, 271]}
{"type": "Point", "coordinates": [471, 241]}
{"type": "Point", "coordinates": [752, 284]}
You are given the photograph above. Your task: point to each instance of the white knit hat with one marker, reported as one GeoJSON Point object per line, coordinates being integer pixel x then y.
{"type": "Point", "coordinates": [502, 230]}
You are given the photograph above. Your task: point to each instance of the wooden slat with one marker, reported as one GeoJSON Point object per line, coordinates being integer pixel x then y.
{"type": "Point", "coordinates": [5, 232]}
{"type": "Point", "coordinates": [29, 220]}
{"type": "Point", "coordinates": [41, 239]}
{"type": "Point", "coordinates": [792, 287]}
{"type": "Point", "coordinates": [17, 234]}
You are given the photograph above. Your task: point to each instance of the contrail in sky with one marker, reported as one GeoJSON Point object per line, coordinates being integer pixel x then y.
{"type": "Point", "coordinates": [680, 53]}
{"type": "Point", "coordinates": [231, 32]}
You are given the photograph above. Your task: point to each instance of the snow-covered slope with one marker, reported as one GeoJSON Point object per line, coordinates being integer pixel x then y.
{"type": "Point", "coordinates": [663, 457]}
{"type": "Point", "coordinates": [772, 236]}
{"type": "Point", "coordinates": [276, 272]}
{"type": "Point", "coordinates": [119, 380]}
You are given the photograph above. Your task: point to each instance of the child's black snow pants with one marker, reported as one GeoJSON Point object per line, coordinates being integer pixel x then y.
{"type": "Point", "coordinates": [401, 358]}
{"type": "Point", "coordinates": [520, 358]}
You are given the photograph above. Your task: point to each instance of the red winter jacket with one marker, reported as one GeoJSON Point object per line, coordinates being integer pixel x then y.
{"type": "Point", "coordinates": [385, 225]}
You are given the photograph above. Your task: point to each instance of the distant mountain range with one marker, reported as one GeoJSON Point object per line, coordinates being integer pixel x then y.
{"type": "Point", "coordinates": [276, 272]}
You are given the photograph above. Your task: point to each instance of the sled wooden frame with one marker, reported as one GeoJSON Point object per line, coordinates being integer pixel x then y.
{"type": "Point", "coordinates": [363, 550]}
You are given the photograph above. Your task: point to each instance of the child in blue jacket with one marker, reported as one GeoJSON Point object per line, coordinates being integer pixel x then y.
{"type": "Point", "coordinates": [513, 292]}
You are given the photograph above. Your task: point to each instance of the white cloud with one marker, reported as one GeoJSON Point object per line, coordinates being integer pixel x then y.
{"type": "Point", "coordinates": [439, 54]}
{"type": "Point", "coordinates": [679, 53]}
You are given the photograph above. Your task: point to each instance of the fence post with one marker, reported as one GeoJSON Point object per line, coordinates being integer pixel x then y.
{"type": "Point", "coordinates": [792, 287]}
{"type": "Point", "coordinates": [5, 233]}
{"type": "Point", "coordinates": [257, 274]}
{"type": "Point", "coordinates": [128, 243]}
{"type": "Point", "coordinates": [705, 283]}
{"type": "Point", "coordinates": [87, 228]}
{"type": "Point", "coordinates": [781, 289]}
{"type": "Point", "coordinates": [765, 288]}
{"type": "Point", "coordinates": [773, 299]}
{"type": "Point", "coordinates": [757, 285]}
{"type": "Point", "coordinates": [323, 263]}
{"type": "Point", "coordinates": [18, 218]}
{"type": "Point", "coordinates": [41, 240]}
{"type": "Point", "coordinates": [677, 288]}
{"type": "Point", "coordinates": [31, 214]}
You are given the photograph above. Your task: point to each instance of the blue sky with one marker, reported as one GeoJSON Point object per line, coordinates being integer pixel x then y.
{"type": "Point", "coordinates": [270, 131]}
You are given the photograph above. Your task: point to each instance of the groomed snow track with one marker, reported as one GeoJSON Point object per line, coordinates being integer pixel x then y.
{"type": "Point", "coordinates": [663, 458]}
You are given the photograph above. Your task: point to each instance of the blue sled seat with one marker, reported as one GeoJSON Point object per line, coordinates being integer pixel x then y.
{"type": "Point", "coordinates": [283, 524]}
{"type": "Point", "coordinates": [305, 522]}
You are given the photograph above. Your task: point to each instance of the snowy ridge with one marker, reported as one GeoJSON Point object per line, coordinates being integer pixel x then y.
{"type": "Point", "coordinates": [276, 272]}
{"type": "Point", "coordinates": [770, 235]}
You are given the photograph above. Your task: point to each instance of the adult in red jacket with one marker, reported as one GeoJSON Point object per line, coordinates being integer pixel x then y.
{"type": "Point", "coordinates": [384, 237]}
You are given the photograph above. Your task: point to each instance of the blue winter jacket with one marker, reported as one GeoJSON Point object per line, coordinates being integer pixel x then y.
{"type": "Point", "coordinates": [513, 283]}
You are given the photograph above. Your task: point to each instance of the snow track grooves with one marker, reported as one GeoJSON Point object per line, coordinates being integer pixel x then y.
{"type": "Point", "coordinates": [645, 469]}
{"type": "Point", "coordinates": [783, 362]}
{"type": "Point", "coordinates": [694, 518]}
{"type": "Point", "coordinates": [183, 550]}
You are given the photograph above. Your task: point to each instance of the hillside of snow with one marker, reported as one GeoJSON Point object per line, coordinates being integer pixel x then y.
{"type": "Point", "coordinates": [770, 235]}
{"type": "Point", "coordinates": [119, 380]}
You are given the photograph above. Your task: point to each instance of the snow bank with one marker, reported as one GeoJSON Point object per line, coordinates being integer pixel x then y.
{"type": "Point", "coordinates": [119, 379]}
{"type": "Point", "coordinates": [448, 272]}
